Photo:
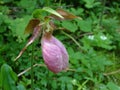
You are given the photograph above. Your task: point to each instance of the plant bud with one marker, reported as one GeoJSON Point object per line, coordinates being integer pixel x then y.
{"type": "Point", "coordinates": [54, 54]}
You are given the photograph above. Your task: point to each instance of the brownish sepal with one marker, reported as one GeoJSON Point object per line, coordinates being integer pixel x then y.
{"type": "Point", "coordinates": [31, 25]}
{"type": "Point", "coordinates": [35, 34]}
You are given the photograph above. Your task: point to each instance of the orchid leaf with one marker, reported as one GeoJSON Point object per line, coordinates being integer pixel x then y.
{"type": "Point", "coordinates": [41, 13]}
{"type": "Point", "coordinates": [50, 10]}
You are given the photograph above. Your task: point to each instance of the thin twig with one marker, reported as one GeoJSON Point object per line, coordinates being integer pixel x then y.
{"type": "Point", "coordinates": [28, 69]}
{"type": "Point", "coordinates": [40, 65]}
{"type": "Point", "coordinates": [72, 39]}
{"type": "Point", "coordinates": [111, 73]}
{"type": "Point", "coordinates": [72, 70]}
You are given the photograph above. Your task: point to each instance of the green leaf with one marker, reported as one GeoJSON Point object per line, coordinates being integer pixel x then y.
{"type": "Point", "coordinates": [54, 84]}
{"type": "Point", "coordinates": [18, 26]}
{"type": "Point", "coordinates": [50, 10]}
{"type": "Point", "coordinates": [69, 86]}
{"type": "Point", "coordinates": [89, 3]}
{"type": "Point", "coordinates": [2, 28]}
{"type": "Point", "coordinates": [8, 78]}
{"type": "Point", "coordinates": [69, 26]}
{"type": "Point", "coordinates": [0, 81]}
{"type": "Point", "coordinates": [7, 1]}
{"type": "Point", "coordinates": [85, 25]}
{"type": "Point", "coordinates": [20, 87]}
{"type": "Point", "coordinates": [28, 6]}
{"type": "Point", "coordinates": [3, 25]}
{"type": "Point", "coordinates": [113, 86]}
{"type": "Point", "coordinates": [39, 13]}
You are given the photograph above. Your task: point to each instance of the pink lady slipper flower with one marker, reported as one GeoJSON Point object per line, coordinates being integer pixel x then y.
{"type": "Point", "coordinates": [54, 54]}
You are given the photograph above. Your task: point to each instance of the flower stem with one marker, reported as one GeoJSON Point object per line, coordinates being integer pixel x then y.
{"type": "Point", "coordinates": [32, 71]}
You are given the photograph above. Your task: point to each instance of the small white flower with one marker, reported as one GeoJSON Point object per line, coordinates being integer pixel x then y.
{"type": "Point", "coordinates": [103, 37]}
{"type": "Point", "coordinates": [91, 37]}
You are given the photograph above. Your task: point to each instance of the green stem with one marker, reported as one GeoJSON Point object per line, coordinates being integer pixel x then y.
{"type": "Point", "coordinates": [102, 12]}
{"type": "Point", "coordinates": [32, 71]}
{"type": "Point", "coordinates": [112, 73]}
{"type": "Point", "coordinates": [60, 2]}
{"type": "Point", "coordinates": [47, 2]}
{"type": "Point", "coordinates": [72, 39]}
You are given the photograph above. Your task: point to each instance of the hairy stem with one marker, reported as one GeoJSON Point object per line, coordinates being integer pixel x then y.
{"type": "Point", "coordinates": [32, 71]}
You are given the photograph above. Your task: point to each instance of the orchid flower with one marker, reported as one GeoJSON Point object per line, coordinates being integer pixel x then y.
{"type": "Point", "coordinates": [54, 52]}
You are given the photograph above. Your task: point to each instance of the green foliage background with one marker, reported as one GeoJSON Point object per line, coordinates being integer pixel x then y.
{"type": "Point", "coordinates": [93, 44]}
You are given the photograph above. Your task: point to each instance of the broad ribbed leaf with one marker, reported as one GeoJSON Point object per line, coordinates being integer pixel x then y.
{"type": "Point", "coordinates": [50, 10]}
{"type": "Point", "coordinates": [65, 14]}
{"type": "Point", "coordinates": [8, 78]}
